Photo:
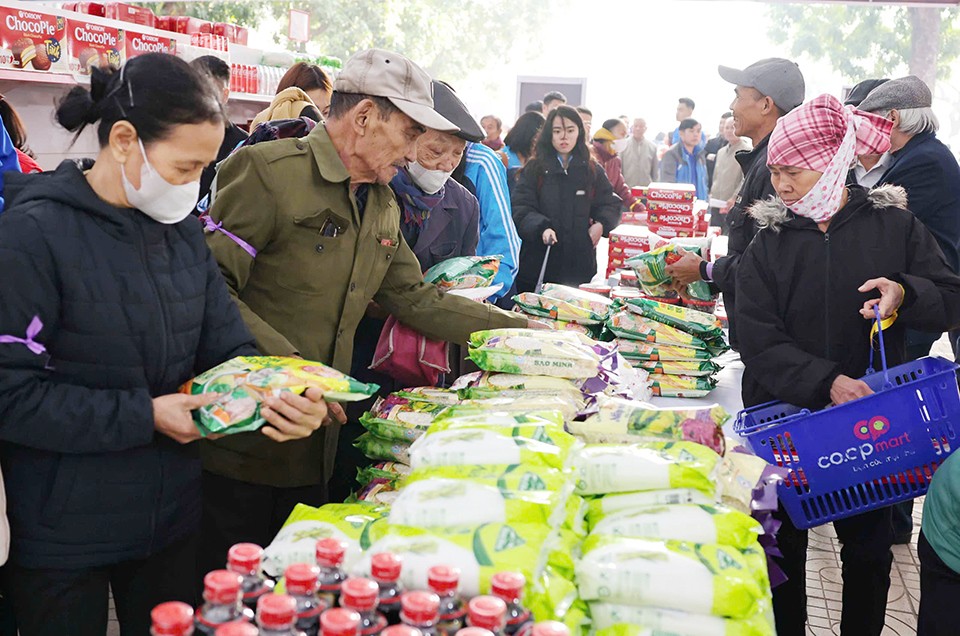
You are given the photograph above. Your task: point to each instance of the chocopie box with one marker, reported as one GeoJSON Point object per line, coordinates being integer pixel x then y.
{"type": "Point", "coordinates": [665, 231]}
{"type": "Point", "coordinates": [129, 13]}
{"type": "Point", "coordinates": [143, 43]}
{"type": "Point", "coordinates": [669, 219]}
{"type": "Point", "coordinates": [671, 192]}
{"type": "Point", "coordinates": [630, 236]}
{"type": "Point", "coordinates": [32, 40]}
{"type": "Point", "coordinates": [93, 45]}
{"type": "Point", "coordinates": [670, 207]}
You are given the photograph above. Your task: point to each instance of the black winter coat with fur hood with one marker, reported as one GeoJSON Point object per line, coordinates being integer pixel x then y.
{"type": "Point", "coordinates": [797, 300]}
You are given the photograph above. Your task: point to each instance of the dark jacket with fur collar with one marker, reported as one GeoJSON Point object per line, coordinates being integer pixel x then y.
{"type": "Point", "coordinates": [797, 299]}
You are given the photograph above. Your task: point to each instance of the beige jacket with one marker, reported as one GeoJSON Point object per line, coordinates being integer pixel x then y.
{"type": "Point", "coordinates": [286, 105]}
{"type": "Point", "coordinates": [727, 174]}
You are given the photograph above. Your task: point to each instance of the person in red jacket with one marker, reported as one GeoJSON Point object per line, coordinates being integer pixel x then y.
{"type": "Point", "coordinates": [18, 136]}
{"type": "Point", "coordinates": [607, 144]}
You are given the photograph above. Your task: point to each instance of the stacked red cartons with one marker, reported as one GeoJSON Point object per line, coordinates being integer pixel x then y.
{"type": "Point", "coordinates": [129, 13]}
{"type": "Point", "coordinates": [32, 40]}
{"type": "Point", "coordinates": [187, 25]}
{"type": "Point", "coordinates": [670, 209]}
{"type": "Point", "coordinates": [626, 241]}
{"type": "Point", "coordinates": [90, 8]}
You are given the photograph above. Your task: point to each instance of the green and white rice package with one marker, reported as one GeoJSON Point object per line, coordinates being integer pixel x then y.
{"type": "Point", "coordinates": [609, 468]}
{"type": "Point", "coordinates": [560, 354]}
{"type": "Point", "coordinates": [686, 522]}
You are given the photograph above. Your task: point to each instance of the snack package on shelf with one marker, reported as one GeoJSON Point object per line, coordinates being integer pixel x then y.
{"type": "Point", "coordinates": [245, 381]}
{"type": "Point", "coordinates": [619, 468]}
{"type": "Point", "coordinates": [704, 579]}
{"type": "Point", "coordinates": [464, 272]}
{"type": "Point", "coordinates": [629, 421]}
{"type": "Point", "coordinates": [356, 524]}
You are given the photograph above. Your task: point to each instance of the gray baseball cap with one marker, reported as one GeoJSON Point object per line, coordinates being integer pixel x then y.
{"type": "Point", "coordinates": [386, 74]}
{"type": "Point", "coordinates": [903, 92]}
{"type": "Point", "coordinates": [775, 77]}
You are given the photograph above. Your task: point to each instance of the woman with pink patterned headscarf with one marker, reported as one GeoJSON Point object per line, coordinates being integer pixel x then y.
{"type": "Point", "coordinates": [806, 290]}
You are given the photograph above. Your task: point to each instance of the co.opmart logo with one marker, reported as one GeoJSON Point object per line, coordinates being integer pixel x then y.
{"type": "Point", "coordinates": [869, 430]}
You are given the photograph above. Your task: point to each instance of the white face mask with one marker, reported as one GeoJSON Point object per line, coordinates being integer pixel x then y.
{"type": "Point", "coordinates": [158, 198]}
{"type": "Point", "coordinates": [430, 181]}
{"type": "Point", "coordinates": [620, 145]}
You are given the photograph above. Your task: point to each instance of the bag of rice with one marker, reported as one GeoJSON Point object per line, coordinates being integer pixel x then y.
{"type": "Point", "coordinates": [429, 394]}
{"type": "Point", "coordinates": [493, 445]}
{"type": "Point", "coordinates": [697, 578]}
{"type": "Point", "coordinates": [606, 505]}
{"type": "Point", "coordinates": [626, 324]}
{"type": "Point", "coordinates": [500, 419]}
{"type": "Point", "coordinates": [695, 368]}
{"type": "Point", "coordinates": [615, 468]}
{"type": "Point", "coordinates": [684, 522]}
{"type": "Point", "coordinates": [636, 350]}
{"type": "Point", "coordinates": [245, 381]}
{"type": "Point", "coordinates": [383, 449]}
{"type": "Point", "coordinates": [464, 272]}
{"type": "Point", "coordinates": [554, 309]}
{"type": "Point", "coordinates": [596, 303]}
{"type": "Point", "coordinates": [682, 386]}
{"type": "Point", "coordinates": [625, 620]}
{"type": "Point", "coordinates": [399, 419]}
{"type": "Point", "coordinates": [483, 384]}
{"type": "Point", "coordinates": [479, 552]}
{"type": "Point", "coordinates": [619, 420]}
{"type": "Point", "coordinates": [591, 331]}
{"type": "Point", "coordinates": [391, 471]}
{"type": "Point", "coordinates": [565, 403]}
{"type": "Point", "coordinates": [651, 269]}
{"type": "Point", "coordinates": [379, 491]}
{"type": "Point", "coordinates": [705, 326]}
{"type": "Point", "coordinates": [358, 524]}
{"type": "Point", "coordinates": [536, 352]}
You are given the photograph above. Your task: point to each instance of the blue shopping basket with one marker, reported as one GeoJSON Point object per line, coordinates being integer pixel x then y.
{"type": "Point", "coordinates": [865, 454]}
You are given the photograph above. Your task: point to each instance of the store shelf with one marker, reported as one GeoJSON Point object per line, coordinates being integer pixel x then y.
{"type": "Point", "coordinates": [45, 77]}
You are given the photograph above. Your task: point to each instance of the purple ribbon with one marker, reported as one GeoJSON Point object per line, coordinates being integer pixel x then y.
{"type": "Point", "coordinates": [211, 226]}
{"type": "Point", "coordinates": [33, 329]}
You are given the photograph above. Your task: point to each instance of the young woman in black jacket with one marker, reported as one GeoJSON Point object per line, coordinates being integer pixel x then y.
{"type": "Point", "coordinates": [562, 198]}
{"type": "Point", "coordinates": [806, 291]}
{"type": "Point", "coordinates": [111, 300]}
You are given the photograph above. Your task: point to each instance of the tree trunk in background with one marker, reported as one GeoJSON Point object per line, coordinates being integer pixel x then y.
{"type": "Point", "coordinates": [925, 43]}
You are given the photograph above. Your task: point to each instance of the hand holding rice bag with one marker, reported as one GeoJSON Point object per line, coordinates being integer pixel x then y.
{"type": "Point", "coordinates": [684, 522]}
{"type": "Point", "coordinates": [616, 468]}
{"type": "Point", "coordinates": [297, 540]}
{"type": "Point", "coordinates": [696, 578]}
{"type": "Point", "coordinates": [464, 272]}
{"type": "Point", "coordinates": [630, 421]}
{"type": "Point", "coordinates": [681, 386]}
{"type": "Point", "coordinates": [383, 449]}
{"type": "Point", "coordinates": [456, 447]}
{"type": "Point", "coordinates": [695, 368]}
{"type": "Point", "coordinates": [399, 419]}
{"type": "Point", "coordinates": [625, 620]}
{"type": "Point", "coordinates": [535, 352]}
{"type": "Point", "coordinates": [627, 324]}
{"type": "Point", "coordinates": [697, 323]}
{"type": "Point", "coordinates": [245, 381]}
{"type": "Point", "coordinates": [651, 269]}
{"type": "Point", "coordinates": [636, 350]}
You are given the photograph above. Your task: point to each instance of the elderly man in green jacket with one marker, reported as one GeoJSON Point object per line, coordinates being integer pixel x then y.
{"type": "Point", "coordinates": [308, 234]}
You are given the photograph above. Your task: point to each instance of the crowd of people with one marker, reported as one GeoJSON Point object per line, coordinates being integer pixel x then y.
{"type": "Point", "coordinates": [186, 242]}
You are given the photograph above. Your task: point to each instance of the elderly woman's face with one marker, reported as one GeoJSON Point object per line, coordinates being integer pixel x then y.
{"type": "Point", "coordinates": [440, 151]}
{"type": "Point", "coordinates": [793, 183]}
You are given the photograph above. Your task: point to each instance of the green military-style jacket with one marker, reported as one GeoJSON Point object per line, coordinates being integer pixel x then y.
{"type": "Point", "coordinates": [306, 290]}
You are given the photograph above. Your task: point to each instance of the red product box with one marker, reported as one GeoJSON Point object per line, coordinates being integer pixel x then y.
{"type": "Point", "coordinates": [129, 13]}
{"type": "Point", "coordinates": [621, 251]}
{"type": "Point", "coordinates": [142, 43]}
{"type": "Point", "coordinates": [187, 25]}
{"type": "Point", "coordinates": [669, 219]}
{"type": "Point", "coordinates": [634, 218]}
{"type": "Point", "coordinates": [672, 192]}
{"type": "Point", "coordinates": [90, 8]}
{"type": "Point", "coordinates": [639, 192]}
{"type": "Point", "coordinates": [673, 207]}
{"type": "Point", "coordinates": [240, 35]}
{"type": "Point", "coordinates": [166, 23]}
{"type": "Point", "coordinates": [668, 232]}
{"type": "Point", "coordinates": [92, 45]}
{"type": "Point", "coordinates": [630, 235]}
{"type": "Point", "coordinates": [32, 40]}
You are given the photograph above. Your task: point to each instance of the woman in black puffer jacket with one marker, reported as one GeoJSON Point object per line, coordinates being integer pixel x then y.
{"type": "Point", "coordinates": [111, 300]}
{"type": "Point", "coordinates": [562, 197]}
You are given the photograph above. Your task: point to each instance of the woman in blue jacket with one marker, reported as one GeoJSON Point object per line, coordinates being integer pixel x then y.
{"type": "Point", "coordinates": [111, 300]}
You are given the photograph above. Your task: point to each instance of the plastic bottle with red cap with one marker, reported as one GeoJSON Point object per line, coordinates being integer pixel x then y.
{"type": "Point", "coordinates": [509, 587]}
{"type": "Point", "coordinates": [487, 612]}
{"type": "Point", "coordinates": [444, 581]}
{"type": "Point", "coordinates": [238, 629]}
{"type": "Point", "coordinates": [330, 553]}
{"type": "Point", "coordinates": [339, 622]}
{"type": "Point", "coordinates": [362, 596]}
{"type": "Point", "coordinates": [172, 619]}
{"type": "Point", "coordinates": [420, 610]}
{"type": "Point", "coordinates": [277, 615]}
{"type": "Point", "coordinates": [550, 628]}
{"type": "Point", "coordinates": [244, 559]}
{"type": "Point", "coordinates": [223, 602]}
{"type": "Point", "coordinates": [302, 584]}
{"type": "Point", "coordinates": [385, 570]}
